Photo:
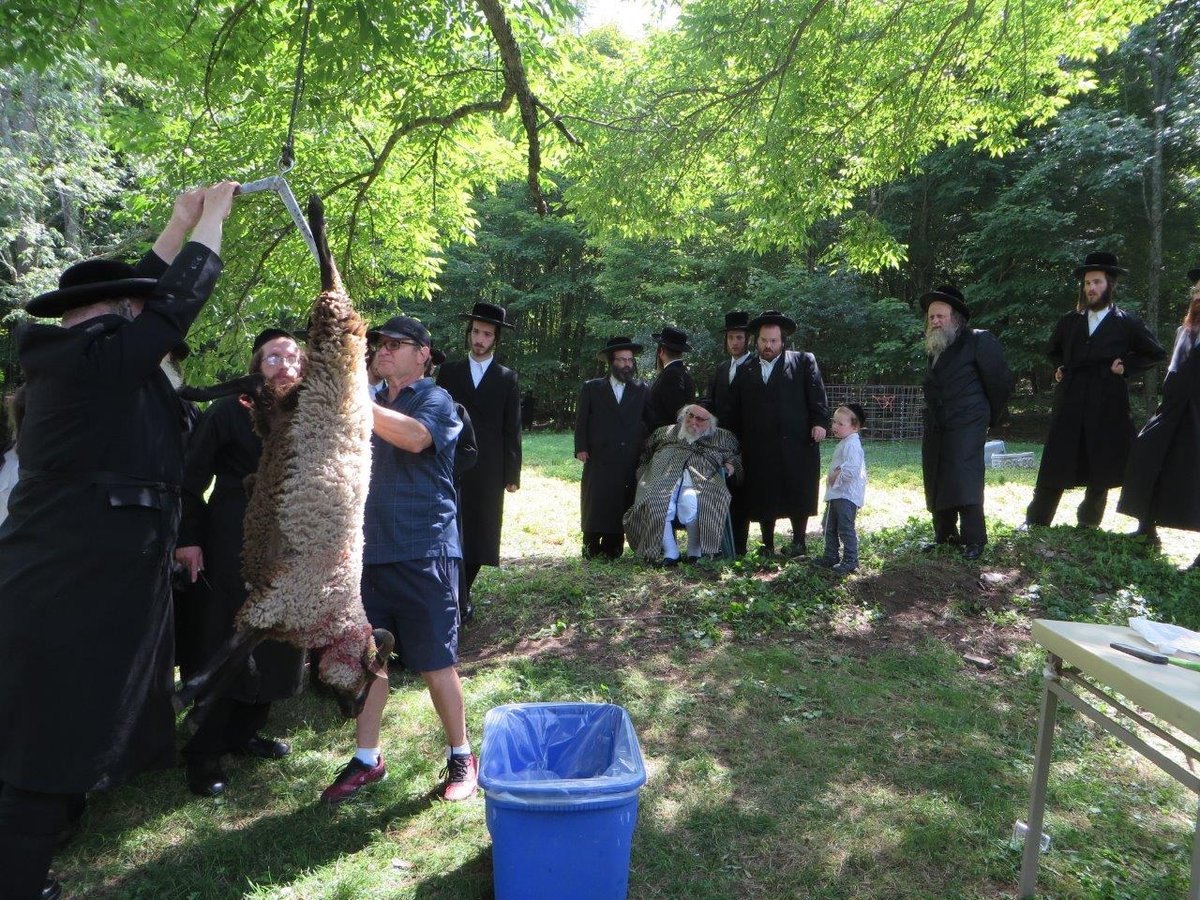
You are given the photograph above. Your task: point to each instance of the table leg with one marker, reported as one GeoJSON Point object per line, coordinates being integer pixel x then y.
{"type": "Point", "coordinates": [1041, 770]}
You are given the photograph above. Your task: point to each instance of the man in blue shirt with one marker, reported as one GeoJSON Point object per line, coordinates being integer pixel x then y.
{"type": "Point", "coordinates": [411, 556]}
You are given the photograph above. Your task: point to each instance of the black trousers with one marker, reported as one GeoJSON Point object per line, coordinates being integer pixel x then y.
{"type": "Point", "coordinates": [228, 726]}
{"type": "Point", "coordinates": [960, 525]}
{"type": "Point", "coordinates": [1045, 501]}
{"type": "Point", "coordinates": [31, 824]}
{"type": "Point", "coordinates": [740, 522]}
{"type": "Point", "coordinates": [467, 573]}
{"type": "Point", "coordinates": [799, 528]}
{"type": "Point", "coordinates": [603, 543]}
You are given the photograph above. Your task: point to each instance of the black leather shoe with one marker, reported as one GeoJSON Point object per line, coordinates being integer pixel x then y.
{"type": "Point", "coordinates": [666, 563]}
{"type": "Point", "coordinates": [52, 889]}
{"type": "Point", "coordinates": [972, 551]}
{"type": "Point", "coordinates": [205, 778]}
{"type": "Point", "coordinates": [264, 748]}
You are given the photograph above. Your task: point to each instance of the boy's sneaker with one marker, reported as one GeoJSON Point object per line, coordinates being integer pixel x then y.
{"type": "Point", "coordinates": [460, 778]}
{"type": "Point", "coordinates": [843, 569]}
{"type": "Point", "coordinates": [354, 775]}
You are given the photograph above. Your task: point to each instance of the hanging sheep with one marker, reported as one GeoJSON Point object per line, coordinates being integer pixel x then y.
{"type": "Point", "coordinates": [302, 557]}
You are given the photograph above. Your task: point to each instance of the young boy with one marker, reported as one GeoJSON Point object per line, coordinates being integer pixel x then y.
{"type": "Point", "coordinates": [845, 488]}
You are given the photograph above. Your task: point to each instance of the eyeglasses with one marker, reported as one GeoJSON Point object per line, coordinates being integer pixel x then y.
{"type": "Point", "coordinates": [392, 346]}
{"type": "Point", "coordinates": [701, 419]}
{"type": "Point", "coordinates": [291, 360]}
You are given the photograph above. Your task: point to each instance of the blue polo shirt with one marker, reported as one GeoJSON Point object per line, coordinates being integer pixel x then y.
{"type": "Point", "coordinates": [411, 503]}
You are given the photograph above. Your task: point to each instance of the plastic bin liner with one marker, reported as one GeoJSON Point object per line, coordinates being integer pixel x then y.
{"type": "Point", "coordinates": [560, 754]}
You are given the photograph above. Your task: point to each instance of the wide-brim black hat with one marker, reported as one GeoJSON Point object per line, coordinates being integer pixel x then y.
{"type": "Point", "coordinates": [490, 313]}
{"type": "Point", "coordinates": [737, 321]}
{"type": "Point", "coordinates": [619, 343]}
{"type": "Point", "coordinates": [774, 317]}
{"type": "Point", "coordinates": [674, 339]}
{"type": "Point", "coordinates": [91, 281]}
{"type": "Point", "coordinates": [1193, 276]}
{"type": "Point", "coordinates": [947, 293]}
{"type": "Point", "coordinates": [437, 357]}
{"type": "Point", "coordinates": [1099, 261]}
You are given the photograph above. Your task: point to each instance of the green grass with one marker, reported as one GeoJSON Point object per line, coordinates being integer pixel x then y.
{"type": "Point", "coordinates": [803, 737]}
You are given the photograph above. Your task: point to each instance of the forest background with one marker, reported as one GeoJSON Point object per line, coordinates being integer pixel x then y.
{"type": "Point", "coordinates": [833, 160]}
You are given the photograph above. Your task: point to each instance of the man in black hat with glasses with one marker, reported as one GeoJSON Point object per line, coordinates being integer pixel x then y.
{"type": "Point", "coordinates": [86, 661]}
{"type": "Point", "coordinates": [492, 398]}
{"type": "Point", "coordinates": [967, 385]}
{"type": "Point", "coordinates": [1095, 348]}
{"type": "Point", "coordinates": [737, 346]}
{"type": "Point", "coordinates": [780, 413]}
{"type": "Point", "coordinates": [673, 387]}
{"type": "Point", "coordinates": [608, 441]}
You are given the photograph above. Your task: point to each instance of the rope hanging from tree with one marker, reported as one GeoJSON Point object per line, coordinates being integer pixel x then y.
{"type": "Point", "coordinates": [287, 156]}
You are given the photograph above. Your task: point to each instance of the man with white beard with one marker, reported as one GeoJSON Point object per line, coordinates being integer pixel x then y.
{"type": "Point", "coordinates": [1095, 348]}
{"type": "Point", "coordinates": [967, 385]}
{"type": "Point", "coordinates": [682, 477]}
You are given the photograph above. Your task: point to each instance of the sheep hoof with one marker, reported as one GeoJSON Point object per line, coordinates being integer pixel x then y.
{"type": "Point", "coordinates": [385, 643]}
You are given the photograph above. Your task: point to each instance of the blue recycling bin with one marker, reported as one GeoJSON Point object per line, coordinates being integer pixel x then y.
{"type": "Point", "coordinates": [561, 782]}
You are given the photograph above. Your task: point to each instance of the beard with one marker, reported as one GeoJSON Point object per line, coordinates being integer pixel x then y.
{"type": "Point", "coordinates": [622, 375]}
{"type": "Point", "coordinates": [1100, 302]}
{"type": "Point", "coordinates": [938, 339]}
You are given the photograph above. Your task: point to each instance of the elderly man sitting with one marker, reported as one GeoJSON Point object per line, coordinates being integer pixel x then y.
{"type": "Point", "coordinates": [681, 477]}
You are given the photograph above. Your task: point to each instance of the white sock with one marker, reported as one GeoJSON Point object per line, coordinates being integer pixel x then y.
{"type": "Point", "coordinates": [368, 755]}
{"type": "Point", "coordinates": [461, 750]}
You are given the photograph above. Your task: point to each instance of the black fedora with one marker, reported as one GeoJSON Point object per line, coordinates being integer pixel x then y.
{"type": "Point", "coordinates": [674, 339]}
{"type": "Point", "coordinates": [774, 317]}
{"type": "Point", "coordinates": [613, 344]}
{"type": "Point", "coordinates": [488, 312]}
{"type": "Point", "coordinates": [89, 282]}
{"type": "Point", "coordinates": [1193, 275]}
{"type": "Point", "coordinates": [269, 334]}
{"type": "Point", "coordinates": [737, 321]}
{"type": "Point", "coordinates": [437, 357]}
{"type": "Point", "coordinates": [1099, 261]}
{"type": "Point", "coordinates": [947, 293]}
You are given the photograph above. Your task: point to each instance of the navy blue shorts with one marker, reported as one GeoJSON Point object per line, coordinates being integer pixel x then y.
{"type": "Point", "coordinates": [417, 601]}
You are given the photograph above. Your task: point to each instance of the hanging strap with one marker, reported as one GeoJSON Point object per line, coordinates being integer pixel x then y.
{"type": "Point", "coordinates": [287, 156]}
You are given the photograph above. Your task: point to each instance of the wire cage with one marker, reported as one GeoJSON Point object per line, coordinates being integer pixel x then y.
{"type": "Point", "coordinates": [895, 412]}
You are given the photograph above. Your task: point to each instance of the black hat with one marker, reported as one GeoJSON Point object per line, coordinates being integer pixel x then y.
{"type": "Point", "coordinates": [488, 312]}
{"type": "Point", "coordinates": [181, 351]}
{"type": "Point", "coordinates": [674, 339]}
{"type": "Point", "coordinates": [1099, 261]}
{"type": "Point", "coordinates": [88, 282]}
{"type": "Point", "coordinates": [619, 343]}
{"type": "Point", "coordinates": [267, 335]}
{"type": "Point", "coordinates": [859, 413]}
{"type": "Point", "coordinates": [402, 328]}
{"type": "Point", "coordinates": [1193, 276]}
{"type": "Point", "coordinates": [947, 293]}
{"type": "Point", "coordinates": [737, 321]}
{"type": "Point", "coordinates": [774, 317]}
{"type": "Point", "coordinates": [437, 357]}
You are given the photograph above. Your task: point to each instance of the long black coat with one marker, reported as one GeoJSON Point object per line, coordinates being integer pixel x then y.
{"type": "Point", "coordinates": [1162, 484]}
{"type": "Point", "coordinates": [225, 447]}
{"type": "Point", "coordinates": [671, 390]}
{"type": "Point", "coordinates": [720, 390]}
{"type": "Point", "coordinates": [1090, 418]}
{"type": "Point", "coordinates": [612, 435]}
{"type": "Point", "coordinates": [966, 392]}
{"type": "Point", "coordinates": [774, 423]}
{"type": "Point", "coordinates": [495, 410]}
{"type": "Point", "coordinates": [85, 601]}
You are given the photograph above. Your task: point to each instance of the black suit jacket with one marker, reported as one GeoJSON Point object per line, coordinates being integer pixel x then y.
{"type": "Point", "coordinates": [671, 389]}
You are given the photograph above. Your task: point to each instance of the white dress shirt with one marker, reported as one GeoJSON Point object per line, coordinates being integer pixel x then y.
{"type": "Point", "coordinates": [618, 387]}
{"type": "Point", "coordinates": [1095, 318]}
{"type": "Point", "coordinates": [734, 362]}
{"type": "Point", "coordinates": [768, 367]}
{"type": "Point", "coordinates": [479, 369]}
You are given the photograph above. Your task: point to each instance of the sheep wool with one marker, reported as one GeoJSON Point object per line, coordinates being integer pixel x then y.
{"type": "Point", "coordinates": [302, 557]}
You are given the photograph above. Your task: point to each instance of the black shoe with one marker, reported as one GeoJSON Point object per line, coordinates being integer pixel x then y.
{"type": "Point", "coordinates": [205, 778]}
{"type": "Point", "coordinates": [666, 563]}
{"type": "Point", "coordinates": [52, 890]}
{"type": "Point", "coordinates": [264, 748]}
{"type": "Point", "coordinates": [972, 551]}
{"type": "Point", "coordinates": [824, 562]}
{"type": "Point", "coordinates": [692, 560]}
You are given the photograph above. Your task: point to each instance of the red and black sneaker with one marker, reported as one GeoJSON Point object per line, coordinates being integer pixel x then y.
{"type": "Point", "coordinates": [354, 775]}
{"type": "Point", "coordinates": [460, 778]}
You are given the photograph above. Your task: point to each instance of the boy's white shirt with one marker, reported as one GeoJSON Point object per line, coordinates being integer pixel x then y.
{"type": "Point", "coordinates": [850, 463]}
